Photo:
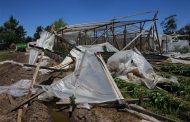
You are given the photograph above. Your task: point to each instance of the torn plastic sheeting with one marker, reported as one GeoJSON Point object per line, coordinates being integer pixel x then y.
{"type": "Point", "coordinates": [177, 55]}
{"type": "Point", "coordinates": [132, 61]}
{"type": "Point", "coordinates": [45, 41]}
{"type": "Point", "coordinates": [88, 83]}
{"type": "Point", "coordinates": [17, 89]}
{"type": "Point", "coordinates": [91, 49]}
{"type": "Point", "coordinates": [173, 60]}
{"type": "Point", "coordinates": [64, 64]}
{"type": "Point", "coordinates": [71, 36]}
{"type": "Point", "coordinates": [33, 56]}
{"type": "Point", "coordinates": [172, 45]}
{"type": "Point", "coordinates": [104, 47]}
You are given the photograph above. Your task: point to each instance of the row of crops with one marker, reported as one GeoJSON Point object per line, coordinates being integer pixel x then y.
{"type": "Point", "coordinates": [168, 99]}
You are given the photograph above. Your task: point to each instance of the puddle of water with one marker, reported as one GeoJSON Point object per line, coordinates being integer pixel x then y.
{"type": "Point", "coordinates": [58, 116]}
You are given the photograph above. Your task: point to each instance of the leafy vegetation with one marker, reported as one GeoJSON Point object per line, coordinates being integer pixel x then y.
{"type": "Point", "coordinates": [160, 101]}
{"type": "Point", "coordinates": [182, 50]}
{"type": "Point", "coordinates": [59, 23]}
{"type": "Point", "coordinates": [169, 24]}
{"type": "Point", "coordinates": [12, 32]}
{"type": "Point", "coordinates": [185, 31]}
{"type": "Point", "coordinates": [72, 100]}
{"type": "Point", "coordinates": [179, 69]}
{"type": "Point", "coordinates": [55, 26]}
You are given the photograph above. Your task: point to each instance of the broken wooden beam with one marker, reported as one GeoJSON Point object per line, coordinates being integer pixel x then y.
{"type": "Point", "coordinates": [27, 101]}
{"type": "Point", "coordinates": [19, 116]}
{"type": "Point", "coordinates": [43, 67]}
{"type": "Point", "coordinates": [159, 117]}
{"type": "Point", "coordinates": [11, 100]}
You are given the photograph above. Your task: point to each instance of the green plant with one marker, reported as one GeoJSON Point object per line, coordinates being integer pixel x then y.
{"type": "Point", "coordinates": [160, 100]}
{"type": "Point", "coordinates": [182, 50]}
{"type": "Point", "coordinates": [72, 100]}
{"type": "Point", "coordinates": [180, 69]}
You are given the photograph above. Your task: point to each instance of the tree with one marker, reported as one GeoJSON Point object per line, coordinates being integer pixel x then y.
{"type": "Point", "coordinates": [48, 28]}
{"type": "Point", "coordinates": [37, 33]}
{"type": "Point", "coordinates": [169, 24]}
{"type": "Point", "coordinates": [28, 39]}
{"type": "Point", "coordinates": [185, 31]}
{"type": "Point", "coordinates": [59, 23]}
{"type": "Point", "coordinates": [12, 32]}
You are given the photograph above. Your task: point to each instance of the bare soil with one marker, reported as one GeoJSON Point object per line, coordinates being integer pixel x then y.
{"type": "Point", "coordinates": [100, 114]}
{"type": "Point", "coordinates": [11, 73]}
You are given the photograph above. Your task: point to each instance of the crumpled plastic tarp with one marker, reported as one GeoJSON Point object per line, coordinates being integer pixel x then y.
{"type": "Point", "coordinates": [171, 45]}
{"type": "Point", "coordinates": [133, 66]}
{"type": "Point", "coordinates": [71, 36]}
{"type": "Point", "coordinates": [177, 57]}
{"type": "Point", "coordinates": [45, 41]}
{"type": "Point", "coordinates": [91, 49]}
{"type": "Point", "coordinates": [99, 48]}
{"type": "Point", "coordinates": [89, 83]}
{"type": "Point", "coordinates": [17, 89]}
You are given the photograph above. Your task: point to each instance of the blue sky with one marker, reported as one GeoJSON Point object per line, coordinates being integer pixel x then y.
{"type": "Point", "coordinates": [32, 13]}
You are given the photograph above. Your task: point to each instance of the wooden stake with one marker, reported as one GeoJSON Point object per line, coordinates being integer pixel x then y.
{"type": "Point", "coordinates": [11, 100]}
{"type": "Point", "coordinates": [19, 117]}
{"type": "Point", "coordinates": [23, 110]}
{"type": "Point", "coordinates": [26, 101]}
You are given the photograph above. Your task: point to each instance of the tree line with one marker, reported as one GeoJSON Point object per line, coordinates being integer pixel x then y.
{"type": "Point", "coordinates": [11, 31]}
{"type": "Point", "coordinates": [169, 26]}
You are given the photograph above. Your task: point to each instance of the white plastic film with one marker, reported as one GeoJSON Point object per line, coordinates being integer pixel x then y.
{"type": "Point", "coordinates": [45, 41]}
{"type": "Point", "coordinates": [132, 64]}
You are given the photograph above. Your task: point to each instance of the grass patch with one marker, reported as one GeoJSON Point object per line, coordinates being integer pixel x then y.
{"type": "Point", "coordinates": [6, 55]}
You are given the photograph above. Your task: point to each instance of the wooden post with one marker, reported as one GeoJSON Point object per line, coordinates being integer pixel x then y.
{"type": "Point", "coordinates": [148, 37]}
{"type": "Point", "coordinates": [106, 33]}
{"type": "Point", "coordinates": [94, 34]}
{"type": "Point", "coordinates": [113, 32]}
{"type": "Point", "coordinates": [85, 38]}
{"type": "Point", "coordinates": [27, 100]}
{"type": "Point", "coordinates": [19, 116]}
{"type": "Point", "coordinates": [22, 111]}
{"type": "Point", "coordinates": [124, 38]}
{"type": "Point", "coordinates": [153, 38]}
{"type": "Point", "coordinates": [140, 37]}
{"type": "Point", "coordinates": [160, 49]}
{"type": "Point", "coordinates": [11, 100]}
{"type": "Point", "coordinates": [114, 37]}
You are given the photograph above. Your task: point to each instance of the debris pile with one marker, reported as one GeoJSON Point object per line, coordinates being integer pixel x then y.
{"type": "Point", "coordinates": [96, 73]}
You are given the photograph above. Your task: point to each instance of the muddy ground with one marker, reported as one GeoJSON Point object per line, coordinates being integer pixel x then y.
{"type": "Point", "coordinates": [10, 73]}
{"type": "Point", "coordinates": [41, 112]}
{"type": "Point", "coordinates": [102, 115]}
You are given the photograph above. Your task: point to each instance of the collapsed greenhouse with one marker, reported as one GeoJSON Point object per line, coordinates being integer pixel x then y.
{"type": "Point", "coordinates": [96, 55]}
